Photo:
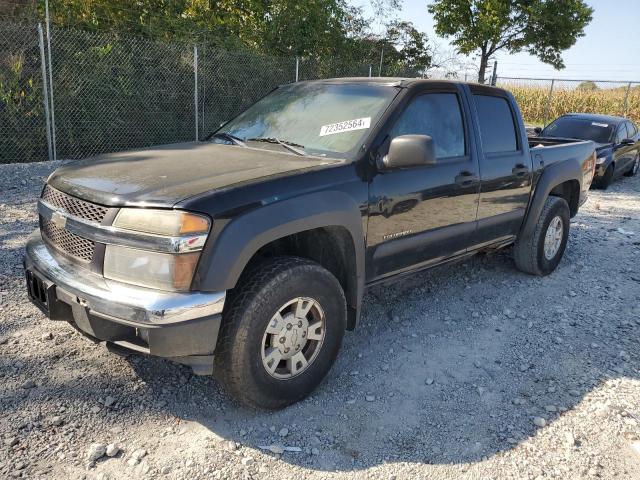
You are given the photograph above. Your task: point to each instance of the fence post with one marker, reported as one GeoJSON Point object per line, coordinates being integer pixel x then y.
{"type": "Point", "coordinates": [548, 109]}
{"type": "Point", "coordinates": [369, 70]}
{"type": "Point", "coordinates": [195, 89]}
{"type": "Point", "coordinates": [381, 57]}
{"type": "Point", "coordinates": [297, 67]}
{"type": "Point", "coordinates": [626, 100]}
{"type": "Point", "coordinates": [45, 90]}
{"type": "Point", "coordinates": [53, 110]}
{"type": "Point", "coordinates": [202, 99]}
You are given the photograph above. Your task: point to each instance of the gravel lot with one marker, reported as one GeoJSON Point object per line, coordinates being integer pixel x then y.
{"type": "Point", "coordinates": [469, 371]}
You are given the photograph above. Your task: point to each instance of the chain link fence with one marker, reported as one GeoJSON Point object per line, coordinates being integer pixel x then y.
{"type": "Point", "coordinates": [23, 130]}
{"type": "Point", "coordinates": [113, 91]}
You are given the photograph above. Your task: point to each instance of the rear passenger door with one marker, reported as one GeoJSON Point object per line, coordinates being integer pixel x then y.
{"type": "Point", "coordinates": [505, 166]}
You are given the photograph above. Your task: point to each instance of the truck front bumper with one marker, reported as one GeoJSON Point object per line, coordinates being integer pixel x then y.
{"type": "Point", "coordinates": [180, 326]}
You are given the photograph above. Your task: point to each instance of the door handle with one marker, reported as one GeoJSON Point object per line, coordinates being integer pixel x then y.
{"type": "Point", "coordinates": [520, 170]}
{"type": "Point", "coordinates": [465, 179]}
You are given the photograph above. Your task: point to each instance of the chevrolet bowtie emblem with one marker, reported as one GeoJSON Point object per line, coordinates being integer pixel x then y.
{"type": "Point", "coordinates": [58, 219]}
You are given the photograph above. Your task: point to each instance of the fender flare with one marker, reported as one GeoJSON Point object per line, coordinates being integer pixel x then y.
{"type": "Point", "coordinates": [243, 236]}
{"type": "Point", "coordinates": [552, 176]}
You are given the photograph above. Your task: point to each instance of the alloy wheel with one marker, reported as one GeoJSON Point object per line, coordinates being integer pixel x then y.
{"type": "Point", "coordinates": [553, 237]}
{"type": "Point", "coordinates": [293, 338]}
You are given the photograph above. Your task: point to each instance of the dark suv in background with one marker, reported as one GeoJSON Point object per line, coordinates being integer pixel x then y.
{"type": "Point", "coordinates": [617, 142]}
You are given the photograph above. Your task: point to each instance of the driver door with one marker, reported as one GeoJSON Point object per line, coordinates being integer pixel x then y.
{"type": "Point", "coordinates": [623, 154]}
{"type": "Point", "coordinates": [424, 214]}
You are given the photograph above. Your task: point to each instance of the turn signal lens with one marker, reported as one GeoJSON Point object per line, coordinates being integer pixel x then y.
{"type": "Point", "coordinates": [191, 223]}
{"type": "Point", "coordinates": [161, 222]}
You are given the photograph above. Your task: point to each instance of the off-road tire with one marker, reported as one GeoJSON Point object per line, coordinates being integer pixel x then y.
{"type": "Point", "coordinates": [529, 251]}
{"type": "Point", "coordinates": [634, 167]}
{"type": "Point", "coordinates": [238, 362]}
{"type": "Point", "coordinates": [606, 179]}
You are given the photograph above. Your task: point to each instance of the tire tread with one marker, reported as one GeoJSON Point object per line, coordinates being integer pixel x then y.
{"type": "Point", "coordinates": [229, 368]}
{"type": "Point", "coordinates": [526, 248]}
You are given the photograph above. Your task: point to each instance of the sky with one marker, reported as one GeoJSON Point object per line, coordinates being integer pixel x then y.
{"type": "Point", "coordinates": [610, 49]}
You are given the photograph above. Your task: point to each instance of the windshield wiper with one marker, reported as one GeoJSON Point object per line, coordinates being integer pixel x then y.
{"type": "Point", "coordinates": [232, 138]}
{"type": "Point", "coordinates": [291, 146]}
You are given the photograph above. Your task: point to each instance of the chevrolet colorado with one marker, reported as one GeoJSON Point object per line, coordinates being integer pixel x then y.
{"type": "Point", "coordinates": [247, 255]}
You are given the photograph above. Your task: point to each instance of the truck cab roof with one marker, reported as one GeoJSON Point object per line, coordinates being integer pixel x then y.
{"type": "Point", "coordinates": [396, 82]}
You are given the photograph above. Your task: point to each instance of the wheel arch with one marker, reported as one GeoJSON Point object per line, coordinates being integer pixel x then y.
{"type": "Point", "coordinates": [570, 191]}
{"type": "Point", "coordinates": [561, 179]}
{"type": "Point", "coordinates": [325, 227]}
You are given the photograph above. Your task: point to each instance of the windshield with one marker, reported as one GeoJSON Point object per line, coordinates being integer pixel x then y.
{"type": "Point", "coordinates": [580, 128]}
{"type": "Point", "coordinates": [321, 118]}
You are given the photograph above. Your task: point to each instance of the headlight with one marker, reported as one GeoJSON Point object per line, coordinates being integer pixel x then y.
{"type": "Point", "coordinates": [601, 160]}
{"type": "Point", "coordinates": [164, 270]}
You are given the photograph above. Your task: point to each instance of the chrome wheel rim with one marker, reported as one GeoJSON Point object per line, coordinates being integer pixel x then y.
{"type": "Point", "coordinates": [293, 338]}
{"type": "Point", "coordinates": [553, 238]}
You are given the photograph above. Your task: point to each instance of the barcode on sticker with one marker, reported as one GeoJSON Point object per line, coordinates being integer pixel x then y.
{"type": "Point", "coordinates": [346, 126]}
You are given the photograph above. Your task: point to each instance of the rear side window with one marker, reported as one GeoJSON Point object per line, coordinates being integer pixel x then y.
{"type": "Point", "coordinates": [497, 129]}
{"type": "Point", "coordinates": [437, 115]}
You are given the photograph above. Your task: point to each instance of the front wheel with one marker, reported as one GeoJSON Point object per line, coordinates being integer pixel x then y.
{"type": "Point", "coordinates": [634, 168]}
{"type": "Point", "coordinates": [541, 252]}
{"type": "Point", "coordinates": [281, 334]}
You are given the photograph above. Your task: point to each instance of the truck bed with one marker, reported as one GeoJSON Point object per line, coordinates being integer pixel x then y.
{"type": "Point", "coordinates": [553, 150]}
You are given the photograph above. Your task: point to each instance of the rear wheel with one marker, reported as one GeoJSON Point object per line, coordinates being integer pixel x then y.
{"type": "Point", "coordinates": [606, 179]}
{"type": "Point", "coordinates": [634, 167]}
{"type": "Point", "coordinates": [281, 333]}
{"type": "Point", "coordinates": [541, 252]}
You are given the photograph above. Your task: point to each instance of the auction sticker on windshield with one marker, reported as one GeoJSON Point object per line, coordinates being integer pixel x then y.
{"type": "Point", "coordinates": [346, 126]}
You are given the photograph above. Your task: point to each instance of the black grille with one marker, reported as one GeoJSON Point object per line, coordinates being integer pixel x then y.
{"type": "Point", "coordinates": [75, 206]}
{"type": "Point", "coordinates": [68, 242]}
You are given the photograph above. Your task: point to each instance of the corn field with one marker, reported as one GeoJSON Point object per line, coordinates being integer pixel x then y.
{"type": "Point", "coordinates": [539, 104]}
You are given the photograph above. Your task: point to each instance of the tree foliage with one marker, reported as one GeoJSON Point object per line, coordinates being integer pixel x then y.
{"type": "Point", "coordinates": [587, 85]}
{"type": "Point", "coordinates": [543, 28]}
{"type": "Point", "coordinates": [313, 28]}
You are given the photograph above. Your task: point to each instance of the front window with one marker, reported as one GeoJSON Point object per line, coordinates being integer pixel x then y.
{"type": "Point", "coordinates": [437, 115]}
{"type": "Point", "coordinates": [580, 128]}
{"type": "Point", "coordinates": [319, 118]}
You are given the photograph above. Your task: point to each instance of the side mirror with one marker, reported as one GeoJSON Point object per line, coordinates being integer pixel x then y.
{"type": "Point", "coordinates": [537, 130]}
{"type": "Point", "coordinates": [410, 151]}
{"type": "Point", "coordinates": [627, 141]}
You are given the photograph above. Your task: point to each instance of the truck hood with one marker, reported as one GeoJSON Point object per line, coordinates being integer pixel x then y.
{"type": "Point", "coordinates": [165, 175]}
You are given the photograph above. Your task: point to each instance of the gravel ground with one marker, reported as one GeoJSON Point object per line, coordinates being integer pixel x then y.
{"type": "Point", "coordinates": [469, 371]}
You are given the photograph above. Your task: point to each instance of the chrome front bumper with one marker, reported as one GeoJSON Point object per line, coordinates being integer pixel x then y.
{"type": "Point", "coordinates": [180, 326]}
{"type": "Point", "coordinates": [115, 300]}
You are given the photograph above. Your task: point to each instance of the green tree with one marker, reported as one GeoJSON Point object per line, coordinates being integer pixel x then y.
{"type": "Point", "coordinates": [588, 86]}
{"type": "Point", "coordinates": [544, 28]}
{"type": "Point", "coordinates": [413, 45]}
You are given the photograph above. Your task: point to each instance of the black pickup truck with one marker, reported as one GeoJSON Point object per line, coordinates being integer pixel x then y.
{"type": "Point", "coordinates": [247, 255]}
